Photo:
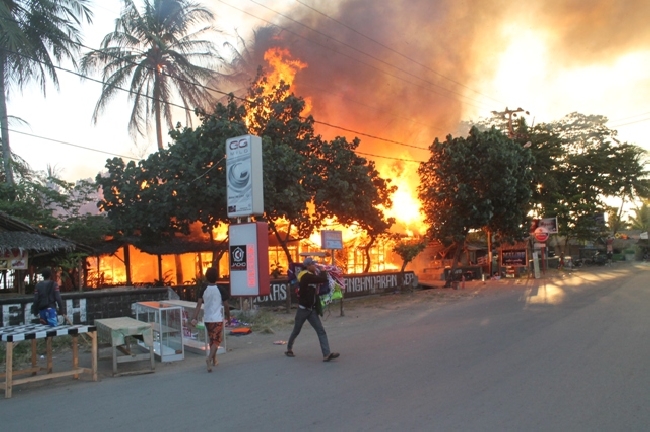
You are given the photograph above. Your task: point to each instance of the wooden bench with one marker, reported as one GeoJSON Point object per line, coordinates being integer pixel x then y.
{"type": "Point", "coordinates": [12, 335]}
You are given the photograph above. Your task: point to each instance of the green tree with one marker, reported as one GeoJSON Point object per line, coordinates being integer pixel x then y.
{"type": "Point", "coordinates": [629, 178]}
{"type": "Point", "coordinates": [159, 51]}
{"type": "Point", "coordinates": [33, 35]}
{"type": "Point", "coordinates": [474, 183]}
{"type": "Point", "coordinates": [578, 163]}
{"type": "Point", "coordinates": [407, 251]}
{"type": "Point", "coordinates": [641, 219]}
{"type": "Point", "coordinates": [306, 180]}
{"type": "Point", "coordinates": [350, 189]}
{"type": "Point", "coordinates": [614, 221]}
{"type": "Point", "coordinates": [593, 165]}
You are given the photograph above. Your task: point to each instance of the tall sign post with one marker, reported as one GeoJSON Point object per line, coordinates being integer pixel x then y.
{"type": "Point", "coordinates": [332, 240]}
{"type": "Point", "coordinates": [541, 235]}
{"type": "Point", "coordinates": [244, 176]}
{"type": "Point", "coordinates": [249, 241]}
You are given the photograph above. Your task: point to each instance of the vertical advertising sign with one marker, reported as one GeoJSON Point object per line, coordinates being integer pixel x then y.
{"type": "Point", "coordinates": [249, 259]}
{"type": "Point", "coordinates": [244, 176]}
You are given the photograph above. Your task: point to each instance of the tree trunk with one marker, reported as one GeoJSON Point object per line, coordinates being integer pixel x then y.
{"type": "Point", "coordinates": [80, 275]}
{"type": "Point", "coordinates": [460, 245]}
{"type": "Point", "coordinates": [366, 250]}
{"type": "Point", "coordinates": [127, 265]}
{"type": "Point", "coordinates": [489, 246]}
{"type": "Point", "coordinates": [179, 269]}
{"type": "Point", "coordinates": [4, 124]}
{"type": "Point", "coordinates": [283, 242]}
{"type": "Point", "coordinates": [160, 272]}
{"type": "Point", "coordinates": [156, 108]}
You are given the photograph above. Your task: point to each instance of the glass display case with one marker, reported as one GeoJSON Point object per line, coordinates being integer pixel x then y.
{"type": "Point", "coordinates": [195, 339]}
{"type": "Point", "coordinates": [167, 324]}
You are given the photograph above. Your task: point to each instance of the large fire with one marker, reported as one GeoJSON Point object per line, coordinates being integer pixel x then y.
{"type": "Point", "coordinates": [184, 268]}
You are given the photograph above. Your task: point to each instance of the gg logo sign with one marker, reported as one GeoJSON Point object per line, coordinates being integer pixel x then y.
{"type": "Point", "coordinates": [244, 175]}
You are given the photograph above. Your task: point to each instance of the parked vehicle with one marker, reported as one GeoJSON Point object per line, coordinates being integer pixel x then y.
{"type": "Point", "coordinates": [598, 259]}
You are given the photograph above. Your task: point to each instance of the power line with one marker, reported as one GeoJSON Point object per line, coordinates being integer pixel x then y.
{"type": "Point", "coordinates": [397, 52]}
{"type": "Point", "coordinates": [630, 117]}
{"type": "Point", "coordinates": [184, 108]}
{"type": "Point", "coordinates": [357, 59]}
{"type": "Point", "coordinates": [632, 122]}
{"type": "Point", "coordinates": [203, 86]}
{"type": "Point", "coordinates": [373, 136]}
{"type": "Point", "coordinates": [388, 157]}
{"type": "Point", "coordinates": [72, 145]}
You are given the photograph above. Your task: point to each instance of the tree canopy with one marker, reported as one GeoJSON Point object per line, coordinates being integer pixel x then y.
{"type": "Point", "coordinates": [475, 182]}
{"type": "Point", "coordinates": [307, 180]}
{"type": "Point", "coordinates": [579, 164]}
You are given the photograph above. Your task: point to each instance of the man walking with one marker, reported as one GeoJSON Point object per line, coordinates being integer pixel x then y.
{"type": "Point", "coordinates": [47, 296]}
{"type": "Point", "coordinates": [309, 307]}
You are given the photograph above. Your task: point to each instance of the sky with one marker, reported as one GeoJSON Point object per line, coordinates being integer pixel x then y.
{"type": "Point", "coordinates": [396, 73]}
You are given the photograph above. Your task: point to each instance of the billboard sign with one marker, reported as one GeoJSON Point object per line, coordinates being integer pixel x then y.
{"type": "Point", "coordinates": [514, 257]}
{"type": "Point", "coordinates": [249, 259]}
{"type": "Point", "coordinates": [14, 259]}
{"type": "Point", "coordinates": [549, 223]}
{"type": "Point", "coordinates": [244, 172]}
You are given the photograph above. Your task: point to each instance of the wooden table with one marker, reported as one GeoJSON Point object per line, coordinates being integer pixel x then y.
{"type": "Point", "coordinates": [119, 332]}
{"type": "Point", "coordinates": [16, 334]}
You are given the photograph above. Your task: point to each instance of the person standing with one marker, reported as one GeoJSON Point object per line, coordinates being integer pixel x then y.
{"type": "Point", "coordinates": [308, 307]}
{"type": "Point", "coordinates": [48, 297]}
{"type": "Point", "coordinates": [212, 315]}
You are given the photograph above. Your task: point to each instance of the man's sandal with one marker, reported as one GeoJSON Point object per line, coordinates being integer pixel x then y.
{"type": "Point", "coordinates": [331, 356]}
{"type": "Point", "coordinates": [289, 353]}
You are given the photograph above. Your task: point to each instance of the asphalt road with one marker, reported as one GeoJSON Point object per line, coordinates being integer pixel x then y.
{"type": "Point", "coordinates": [559, 354]}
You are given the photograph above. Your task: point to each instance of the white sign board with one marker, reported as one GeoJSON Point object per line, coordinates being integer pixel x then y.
{"type": "Point", "coordinates": [331, 240]}
{"type": "Point", "coordinates": [14, 259]}
{"type": "Point", "coordinates": [244, 176]}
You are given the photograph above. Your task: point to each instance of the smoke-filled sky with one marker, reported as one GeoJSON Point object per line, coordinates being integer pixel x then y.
{"type": "Point", "coordinates": [400, 70]}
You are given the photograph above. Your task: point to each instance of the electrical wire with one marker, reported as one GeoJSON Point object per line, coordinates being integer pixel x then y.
{"type": "Point", "coordinates": [85, 77]}
{"type": "Point", "coordinates": [396, 52]}
{"type": "Point", "coordinates": [632, 122]}
{"type": "Point", "coordinates": [71, 145]}
{"type": "Point", "coordinates": [357, 59]}
{"type": "Point", "coordinates": [205, 87]}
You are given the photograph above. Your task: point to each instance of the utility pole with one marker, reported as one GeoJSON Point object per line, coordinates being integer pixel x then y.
{"type": "Point", "coordinates": [508, 114]}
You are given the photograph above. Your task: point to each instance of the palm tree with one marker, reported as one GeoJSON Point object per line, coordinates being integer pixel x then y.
{"type": "Point", "coordinates": [159, 52]}
{"type": "Point", "coordinates": [641, 220]}
{"type": "Point", "coordinates": [33, 33]}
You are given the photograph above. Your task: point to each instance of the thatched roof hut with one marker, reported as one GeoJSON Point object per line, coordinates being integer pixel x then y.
{"type": "Point", "coordinates": [18, 238]}
{"type": "Point", "coordinates": [17, 235]}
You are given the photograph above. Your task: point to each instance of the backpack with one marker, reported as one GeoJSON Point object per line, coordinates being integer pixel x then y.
{"type": "Point", "coordinates": [44, 301]}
